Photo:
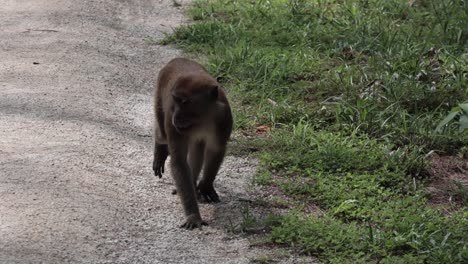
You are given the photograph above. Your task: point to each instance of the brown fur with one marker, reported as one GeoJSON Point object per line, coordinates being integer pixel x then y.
{"type": "Point", "coordinates": [193, 123]}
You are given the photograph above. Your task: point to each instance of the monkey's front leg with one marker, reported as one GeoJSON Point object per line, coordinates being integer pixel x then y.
{"type": "Point", "coordinates": [186, 190]}
{"type": "Point", "coordinates": [160, 155]}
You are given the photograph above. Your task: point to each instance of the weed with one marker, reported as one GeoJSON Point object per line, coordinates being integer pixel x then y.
{"type": "Point", "coordinates": [459, 116]}
{"type": "Point", "coordinates": [176, 3]}
{"type": "Point", "coordinates": [460, 192]}
{"type": "Point", "coordinates": [263, 259]}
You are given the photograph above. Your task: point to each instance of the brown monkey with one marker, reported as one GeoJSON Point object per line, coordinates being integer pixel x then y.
{"type": "Point", "coordinates": [193, 123]}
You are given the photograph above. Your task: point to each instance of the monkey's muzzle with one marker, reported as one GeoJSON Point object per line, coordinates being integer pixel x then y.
{"type": "Point", "coordinates": [182, 124]}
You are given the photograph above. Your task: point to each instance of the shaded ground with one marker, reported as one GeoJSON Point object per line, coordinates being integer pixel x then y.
{"type": "Point", "coordinates": [449, 182]}
{"type": "Point", "coordinates": [76, 184]}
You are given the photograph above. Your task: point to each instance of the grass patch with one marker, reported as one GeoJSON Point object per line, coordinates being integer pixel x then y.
{"type": "Point", "coordinates": [415, 236]}
{"type": "Point", "coordinates": [357, 95]}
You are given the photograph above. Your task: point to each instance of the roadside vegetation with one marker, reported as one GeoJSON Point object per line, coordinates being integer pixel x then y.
{"type": "Point", "coordinates": [348, 102]}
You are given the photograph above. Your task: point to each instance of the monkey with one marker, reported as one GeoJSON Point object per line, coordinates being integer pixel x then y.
{"type": "Point", "coordinates": [193, 123]}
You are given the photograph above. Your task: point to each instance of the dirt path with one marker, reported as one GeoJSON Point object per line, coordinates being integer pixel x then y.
{"type": "Point", "coordinates": [76, 184]}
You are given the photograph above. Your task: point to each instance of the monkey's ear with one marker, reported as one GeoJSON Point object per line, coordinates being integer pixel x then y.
{"type": "Point", "coordinates": [214, 92]}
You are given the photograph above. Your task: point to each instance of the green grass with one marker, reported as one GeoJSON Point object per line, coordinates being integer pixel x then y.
{"type": "Point", "coordinates": [353, 92]}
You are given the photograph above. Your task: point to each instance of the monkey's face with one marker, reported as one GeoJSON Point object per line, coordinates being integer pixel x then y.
{"type": "Point", "coordinates": [192, 108]}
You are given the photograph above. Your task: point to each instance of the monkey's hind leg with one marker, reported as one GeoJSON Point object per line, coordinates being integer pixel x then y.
{"type": "Point", "coordinates": [160, 155]}
{"type": "Point", "coordinates": [195, 161]}
{"type": "Point", "coordinates": [213, 160]}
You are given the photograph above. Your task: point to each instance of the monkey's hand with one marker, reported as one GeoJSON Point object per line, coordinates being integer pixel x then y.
{"type": "Point", "coordinates": [193, 221]}
{"type": "Point", "coordinates": [160, 159]}
{"type": "Point", "coordinates": [158, 167]}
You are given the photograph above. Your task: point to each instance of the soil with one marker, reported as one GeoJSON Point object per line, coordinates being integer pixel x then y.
{"type": "Point", "coordinates": [449, 182]}
{"type": "Point", "coordinates": [76, 184]}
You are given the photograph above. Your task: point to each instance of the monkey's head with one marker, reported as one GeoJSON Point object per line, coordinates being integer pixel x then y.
{"type": "Point", "coordinates": [194, 100]}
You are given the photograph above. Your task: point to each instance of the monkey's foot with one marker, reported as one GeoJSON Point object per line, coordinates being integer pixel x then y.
{"type": "Point", "coordinates": [193, 222]}
{"type": "Point", "coordinates": [208, 195]}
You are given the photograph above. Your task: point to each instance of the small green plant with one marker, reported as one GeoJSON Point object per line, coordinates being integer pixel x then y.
{"type": "Point", "coordinates": [263, 177]}
{"type": "Point", "coordinates": [151, 41]}
{"type": "Point", "coordinates": [251, 223]}
{"type": "Point", "coordinates": [460, 192]}
{"type": "Point", "coordinates": [458, 116]}
{"type": "Point", "coordinates": [263, 259]}
{"type": "Point", "coordinates": [176, 3]}
{"type": "Point", "coordinates": [463, 153]}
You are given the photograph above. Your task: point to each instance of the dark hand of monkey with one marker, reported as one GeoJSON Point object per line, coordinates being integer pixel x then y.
{"type": "Point", "coordinates": [160, 159]}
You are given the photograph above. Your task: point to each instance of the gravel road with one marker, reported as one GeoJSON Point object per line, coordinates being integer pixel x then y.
{"type": "Point", "coordinates": [76, 184]}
